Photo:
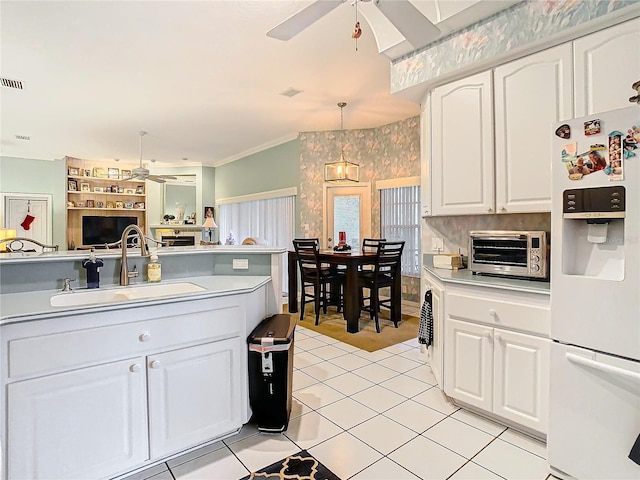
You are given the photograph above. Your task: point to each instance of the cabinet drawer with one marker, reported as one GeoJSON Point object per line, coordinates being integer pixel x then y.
{"type": "Point", "coordinates": [533, 317]}
{"type": "Point", "coordinates": [41, 354]}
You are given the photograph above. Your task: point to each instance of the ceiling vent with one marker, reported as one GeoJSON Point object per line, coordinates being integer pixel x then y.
{"type": "Point", "coordinates": [291, 92]}
{"type": "Point", "coordinates": [7, 82]}
{"type": "Point", "coordinates": [23, 137]}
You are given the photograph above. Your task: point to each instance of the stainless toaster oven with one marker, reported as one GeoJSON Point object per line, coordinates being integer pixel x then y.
{"type": "Point", "coordinates": [509, 253]}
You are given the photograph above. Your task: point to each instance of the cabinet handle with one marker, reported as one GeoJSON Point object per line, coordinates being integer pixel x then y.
{"type": "Point", "coordinates": [498, 338]}
{"type": "Point", "coordinates": [502, 209]}
{"type": "Point", "coordinates": [145, 337]}
{"type": "Point", "coordinates": [490, 210]}
{"type": "Point", "coordinates": [155, 364]}
{"type": "Point", "coordinates": [486, 334]}
{"type": "Point", "coordinates": [493, 313]}
{"type": "Point", "coordinates": [135, 368]}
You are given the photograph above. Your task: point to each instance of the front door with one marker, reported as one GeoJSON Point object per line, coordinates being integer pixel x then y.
{"type": "Point", "coordinates": [347, 209]}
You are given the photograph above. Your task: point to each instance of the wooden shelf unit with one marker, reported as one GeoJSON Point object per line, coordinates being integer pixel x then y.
{"type": "Point", "coordinates": [83, 178]}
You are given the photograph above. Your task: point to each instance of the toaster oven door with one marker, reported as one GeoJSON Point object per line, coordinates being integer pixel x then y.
{"type": "Point", "coordinates": [511, 251]}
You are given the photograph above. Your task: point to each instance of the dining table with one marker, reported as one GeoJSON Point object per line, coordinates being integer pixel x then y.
{"type": "Point", "coordinates": [352, 261]}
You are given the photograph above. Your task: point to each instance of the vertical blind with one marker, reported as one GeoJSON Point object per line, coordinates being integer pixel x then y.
{"type": "Point", "coordinates": [270, 220]}
{"type": "Point", "coordinates": [400, 220]}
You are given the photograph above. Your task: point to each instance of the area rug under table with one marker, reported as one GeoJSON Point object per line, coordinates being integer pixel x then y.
{"type": "Point", "coordinates": [333, 325]}
{"type": "Point", "coordinates": [300, 466]}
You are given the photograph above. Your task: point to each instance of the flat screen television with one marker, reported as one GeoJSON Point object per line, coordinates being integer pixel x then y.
{"type": "Point", "coordinates": [100, 230]}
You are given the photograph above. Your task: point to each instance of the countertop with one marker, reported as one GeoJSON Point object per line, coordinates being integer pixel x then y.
{"type": "Point", "coordinates": [64, 255]}
{"type": "Point", "coordinates": [466, 277]}
{"type": "Point", "coordinates": [27, 306]}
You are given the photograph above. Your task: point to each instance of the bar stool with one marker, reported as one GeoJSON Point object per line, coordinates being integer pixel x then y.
{"type": "Point", "coordinates": [387, 266]}
{"type": "Point", "coordinates": [313, 274]}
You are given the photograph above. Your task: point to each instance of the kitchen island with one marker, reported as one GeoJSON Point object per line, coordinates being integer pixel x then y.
{"type": "Point", "coordinates": [98, 390]}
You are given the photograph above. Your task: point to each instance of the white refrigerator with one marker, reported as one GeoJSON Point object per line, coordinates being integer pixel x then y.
{"type": "Point", "coordinates": [594, 409]}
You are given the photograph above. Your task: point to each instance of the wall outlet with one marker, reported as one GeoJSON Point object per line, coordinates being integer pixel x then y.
{"type": "Point", "coordinates": [241, 264]}
{"type": "Point", "coordinates": [437, 244]}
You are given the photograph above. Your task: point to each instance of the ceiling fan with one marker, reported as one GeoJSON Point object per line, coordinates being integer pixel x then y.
{"type": "Point", "coordinates": [142, 173]}
{"type": "Point", "coordinates": [405, 17]}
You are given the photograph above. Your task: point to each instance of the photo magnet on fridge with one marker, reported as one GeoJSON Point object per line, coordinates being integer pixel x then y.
{"type": "Point", "coordinates": [592, 127]}
{"type": "Point", "coordinates": [563, 131]}
{"type": "Point", "coordinates": [614, 167]}
{"type": "Point", "coordinates": [568, 153]}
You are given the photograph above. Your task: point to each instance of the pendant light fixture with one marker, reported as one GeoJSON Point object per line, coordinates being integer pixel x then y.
{"type": "Point", "coordinates": [342, 169]}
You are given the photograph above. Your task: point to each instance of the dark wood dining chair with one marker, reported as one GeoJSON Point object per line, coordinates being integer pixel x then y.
{"type": "Point", "coordinates": [322, 280]}
{"type": "Point", "coordinates": [387, 267]}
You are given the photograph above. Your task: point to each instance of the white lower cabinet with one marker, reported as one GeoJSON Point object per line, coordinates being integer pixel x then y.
{"type": "Point", "coordinates": [490, 365]}
{"type": "Point", "coordinates": [194, 394]}
{"type": "Point", "coordinates": [87, 423]}
{"type": "Point", "coordinates": [94, 396]}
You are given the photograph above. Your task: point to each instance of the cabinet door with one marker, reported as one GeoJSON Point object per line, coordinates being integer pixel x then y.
{"type": "Point", "coordinates": [462, 174]}
{"type": "Point", "coordinates": [468, 374]}
{"type": "Point", "coordinates": [530, 94]}
{"type": "Point", "coordinates": [521, 382]}
{"type": "Point", "coordinates": [425, 157]}
{"type": "Point", "coordinates": [87, 423]}
{"type": "Point", "coordinates": [194, 395]}
{"type": "Point", "coordinates": [606, 65]}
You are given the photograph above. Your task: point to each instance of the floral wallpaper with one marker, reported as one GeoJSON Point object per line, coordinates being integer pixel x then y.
{"type": "Point", "coordinates": [513, 28]}
{"type": "Point", "coordinates": [390, 151]}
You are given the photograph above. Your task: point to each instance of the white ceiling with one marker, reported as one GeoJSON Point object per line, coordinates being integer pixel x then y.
{"type": "Point", "coordinates": [200, 76]}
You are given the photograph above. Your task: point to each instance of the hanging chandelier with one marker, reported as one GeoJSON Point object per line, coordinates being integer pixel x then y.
{"type": "Point", "coordinates": [342, 170]}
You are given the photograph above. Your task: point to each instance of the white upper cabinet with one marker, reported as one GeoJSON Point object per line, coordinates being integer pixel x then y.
{"type": "Point", "coordinates": [462, 180]}
{"type": "Point", "coordinates": [425, 157]}
{"type": "Point", "coordinates": [531, 94]}
{"type": "Point", "coordinates": [607, 63]}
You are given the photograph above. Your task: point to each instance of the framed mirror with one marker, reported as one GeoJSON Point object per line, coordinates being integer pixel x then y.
{"type": "Point", "coordinates": [180, 199]}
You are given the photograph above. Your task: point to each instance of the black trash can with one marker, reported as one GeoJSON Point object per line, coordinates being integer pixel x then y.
{"type": "Point", "coordinates": [271, 372]}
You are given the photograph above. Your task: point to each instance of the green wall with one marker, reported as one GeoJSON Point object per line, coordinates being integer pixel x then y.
{"type": "Point", "coordinates": [271, 169]}
{"type": "Point", "coordinates": [25, 175]}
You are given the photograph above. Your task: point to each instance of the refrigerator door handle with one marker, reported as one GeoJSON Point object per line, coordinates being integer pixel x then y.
{"type": "Point", "coordinates": [621, 372]}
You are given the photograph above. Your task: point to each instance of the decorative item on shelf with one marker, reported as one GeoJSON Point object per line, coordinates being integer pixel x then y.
{"type": "Point", "coordinates": [99, 172]}
{"type": "Point", "coordinates": [114, 189]}
{"type": "Point", "coordinates": [74, 171]}
{"type": "Point", "coordinates": [87, 172]}
{"type": "Point", "coordinates": [342, 169]}
{"type": "Point", "coordinates": [208, 225]}
{"type": "Point", "coordinates": [120, 189]}
{"type": "Point", "coordinates": [180, 209]}
{"type": "Point", "coordinates": [138, 205]}
{"type": "Point", "coordinates": [128, 204]}
{"type": "Point", "coordinates": [90, 204]}
{"type": "Point", "coordinates": [99, 204]}
{"type": "Point", "coordinates": [113, 172]}
{"type": "Point", "coordinates": [85, 187]}
{"type": "Point", "coordinates": [71, 204]}
{"type": "Point", "coordinates": [140, 189]}
{"type": "Point", "coordinates": [110, 205]}
{"type": "Point", "coordinates": [98, 189]}
{"type": "Point", "coordinates": [125, 174]}
{"type": "Point", "coordinates": [72, 185]}
{"type": "Point", "coordinates": [107, 189]}
{"type": "Point", "coordinates": [119, 204]}
{"type": "Point", "coordinates": [80, 205]}
{"type": "Point", "coordinates": [167, 219]}
{"type": "Point", "coordinates": [129, 191]}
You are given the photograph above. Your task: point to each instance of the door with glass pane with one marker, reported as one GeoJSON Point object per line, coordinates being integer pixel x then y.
{"type": "Point", "coordinates": [347, 209]}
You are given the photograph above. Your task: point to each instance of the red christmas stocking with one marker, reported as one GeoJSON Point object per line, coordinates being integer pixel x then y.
{"type": "Point", "coordinates": [26, 223]}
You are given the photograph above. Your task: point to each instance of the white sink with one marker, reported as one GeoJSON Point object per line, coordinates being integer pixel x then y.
{"type": "Point", "coordinates": [123, 294]}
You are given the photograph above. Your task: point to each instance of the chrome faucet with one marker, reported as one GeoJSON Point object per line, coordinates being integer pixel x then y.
{"type": "Point", "coordinates": [125, 274]}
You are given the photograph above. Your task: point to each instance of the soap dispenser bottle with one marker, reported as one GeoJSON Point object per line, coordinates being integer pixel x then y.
{"type": "Point", "coordinates": [154, 269]}
{"type": "Point", "coordinates": [92, 265]}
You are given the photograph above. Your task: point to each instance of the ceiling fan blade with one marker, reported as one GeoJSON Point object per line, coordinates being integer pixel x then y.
{"type": "Point", "coordinates": [302, 19]}
{"type": "Point", "coordinates": [166, 177]}
{"type": "Point", "coordinates": [155, 178]}
{"type": "Point", "coordinates": [410, 22]}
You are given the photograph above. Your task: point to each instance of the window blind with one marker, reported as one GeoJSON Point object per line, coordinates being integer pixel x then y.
{"type": "Point", "coordinates": [400, 220]}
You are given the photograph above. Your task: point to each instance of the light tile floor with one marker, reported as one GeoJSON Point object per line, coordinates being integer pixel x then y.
{"type": "Point", "coordinates": [369, 416]}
